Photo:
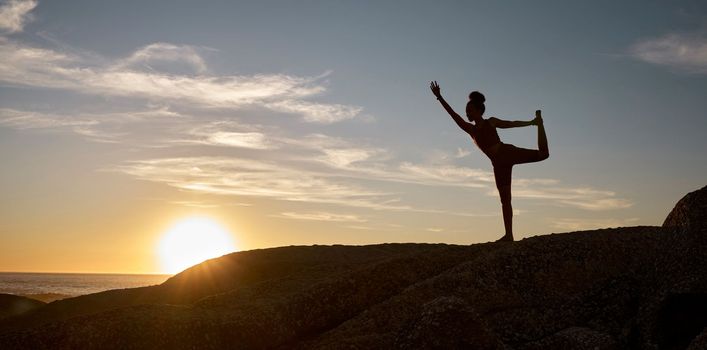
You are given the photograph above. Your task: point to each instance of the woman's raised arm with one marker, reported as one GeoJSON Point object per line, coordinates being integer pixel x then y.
{"type": "Point", "coordinates": [466, 126]}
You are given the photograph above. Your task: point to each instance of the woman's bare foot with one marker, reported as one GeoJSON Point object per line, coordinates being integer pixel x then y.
{"type": "Point", "coordinates": [505, 238]}
{"type": "Point", "coordinates": [538, 118]}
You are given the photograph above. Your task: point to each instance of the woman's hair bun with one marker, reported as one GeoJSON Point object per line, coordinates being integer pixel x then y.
{"type": "Point", "coordinates": [477, 97]}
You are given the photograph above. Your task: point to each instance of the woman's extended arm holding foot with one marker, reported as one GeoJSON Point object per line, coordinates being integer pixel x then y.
{"type": "Point", "coordinates": [505, 124]}
{"type": "Point", "coordinates": [457, 118]}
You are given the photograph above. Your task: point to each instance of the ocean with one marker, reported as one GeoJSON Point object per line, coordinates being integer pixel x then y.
{"type": "Point", "coordinates": [52, 286]}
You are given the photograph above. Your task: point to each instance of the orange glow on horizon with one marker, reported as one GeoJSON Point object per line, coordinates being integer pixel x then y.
{"type": "Point", "coordinates": [191, 241]}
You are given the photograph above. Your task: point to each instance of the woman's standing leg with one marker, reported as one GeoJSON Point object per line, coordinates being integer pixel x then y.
{"type": "Point", "coordinates": [505, 192]}
{"type": "Point", "coordinates": [502, 173]}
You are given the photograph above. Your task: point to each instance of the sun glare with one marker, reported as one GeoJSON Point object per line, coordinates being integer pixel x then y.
{"type": "Point", "coordinates": [191, 241]}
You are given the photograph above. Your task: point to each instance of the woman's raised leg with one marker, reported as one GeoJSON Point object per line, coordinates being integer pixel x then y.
{"type": "Point", "coordinates": [542, 137]}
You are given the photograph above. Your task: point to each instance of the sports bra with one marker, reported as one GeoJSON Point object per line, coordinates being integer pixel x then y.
{"type": "Point", "coordinates": [485, 135]}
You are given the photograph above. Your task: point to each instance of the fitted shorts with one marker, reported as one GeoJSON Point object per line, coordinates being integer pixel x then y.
{"type": "Point", "coordinates": [506, 157]}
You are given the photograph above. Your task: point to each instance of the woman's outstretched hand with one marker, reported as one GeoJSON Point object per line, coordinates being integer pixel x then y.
{"type": "Point", "coordinates": [435, 89]}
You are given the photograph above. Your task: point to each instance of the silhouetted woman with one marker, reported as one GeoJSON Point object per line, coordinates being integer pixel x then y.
{"type": "Point", "coordinates": [503, 156]}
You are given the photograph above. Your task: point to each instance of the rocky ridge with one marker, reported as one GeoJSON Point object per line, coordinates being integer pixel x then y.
{"type": "Point", "coordinates": [639, 287]}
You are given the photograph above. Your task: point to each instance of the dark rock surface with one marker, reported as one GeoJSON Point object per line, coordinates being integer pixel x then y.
{"type": "Point", "coordinates": [430, 329]}
{"type": "Point", "coordinates": [700, 342]}
{"type": "Point", "coordinates": [577, 338]}
{"type": "Point", "coordinates": [621, 288]}
{"type": "Point", "coordinates": [690, 213]}
{"type": "Point", "coordinates": [13, 305]}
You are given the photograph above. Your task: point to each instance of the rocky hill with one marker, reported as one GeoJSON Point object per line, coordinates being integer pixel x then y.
{"type": "Point", "coordinates": [616, 288]}
{"type": "Point", "coordinates": [13, 305]}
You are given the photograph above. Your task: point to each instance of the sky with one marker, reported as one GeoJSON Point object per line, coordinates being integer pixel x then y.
{"type": "Point", "coordinates": [311, 122]}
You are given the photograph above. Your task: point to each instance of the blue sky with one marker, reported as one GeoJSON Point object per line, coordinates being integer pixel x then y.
{"type": "Point", "coordinates": [312, 122]}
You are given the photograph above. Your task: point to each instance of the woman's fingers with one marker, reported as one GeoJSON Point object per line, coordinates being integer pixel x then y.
{"type": "Point", "coordinates": [434, 86]}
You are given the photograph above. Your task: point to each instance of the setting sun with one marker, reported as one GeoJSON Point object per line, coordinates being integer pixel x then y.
{"type": "Point", "coordinates": [191, 241]}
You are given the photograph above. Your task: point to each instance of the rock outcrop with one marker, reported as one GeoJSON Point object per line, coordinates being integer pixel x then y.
{"type": "Point", "coordinates": [690, 213]}
{"type": "Point", "coordinates": [13, 305]}
{"type": "Point", "coordinates": [621, 288]}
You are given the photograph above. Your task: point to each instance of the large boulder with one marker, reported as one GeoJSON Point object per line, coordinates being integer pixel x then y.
{"type": "Point", "coordinates": [690, 213]}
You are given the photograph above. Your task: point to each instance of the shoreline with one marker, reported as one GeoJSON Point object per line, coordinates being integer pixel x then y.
{"type": "Point", "coordinates": [84, 273]}
{"type": "Point", "coordinates": [47, 297]}
{"type": "Point", "coordinates": [49, 287]}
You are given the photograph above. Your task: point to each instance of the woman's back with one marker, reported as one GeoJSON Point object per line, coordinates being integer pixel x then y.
{"type": "Point", "coordinates": [485, 135]}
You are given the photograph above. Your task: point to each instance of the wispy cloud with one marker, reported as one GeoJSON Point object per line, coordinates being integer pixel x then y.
{"type": "Point", "coordinates": [593, 203]}
{"type": "Point", "coordinates": [195, 204]}
{"type": "Point", "coordinates": [685, 52]}
{"type": "Point", "coordinates": [316, 112]}
{"type": "Point", "coordinates": [110, 127]}
{"type": "Point", "coordinates": [46, 68]}
{"type": "Point", "coordinates": [227, 133]}
{"type": "Point", "coordinates": [318, 141]}
{"type": "Point", "coordinates": [14, 14]}
{"type": "Point", "coordinates": [447, 175]}
{"type": "Point", "coordinates": [154, 56]}
{"type": "Point", "coordinates": [462, 152]}
{"type": "Point", "coordinates": [154, 127]}
{"type": "Point", "coordinates": [250, 177]}
{"type": "Point", "coordinates": [343, 157]}
{"type": "Point", "coordinates": [321, 216]}
{"type": "Point", "coordinates": [575, 224]}
{"type": "Point", "coordinates": [34, 120]}
{"type": "Point", "coordinates": [359, 160]}
{"type": "Point", "coordinates": [253, 140]}
{"type": "Point", "coordinates": [578, 197]}
{"type": "Point", "coordinates": [378, 228]}
{"type": "Point", "coordinates": [40, 67]}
